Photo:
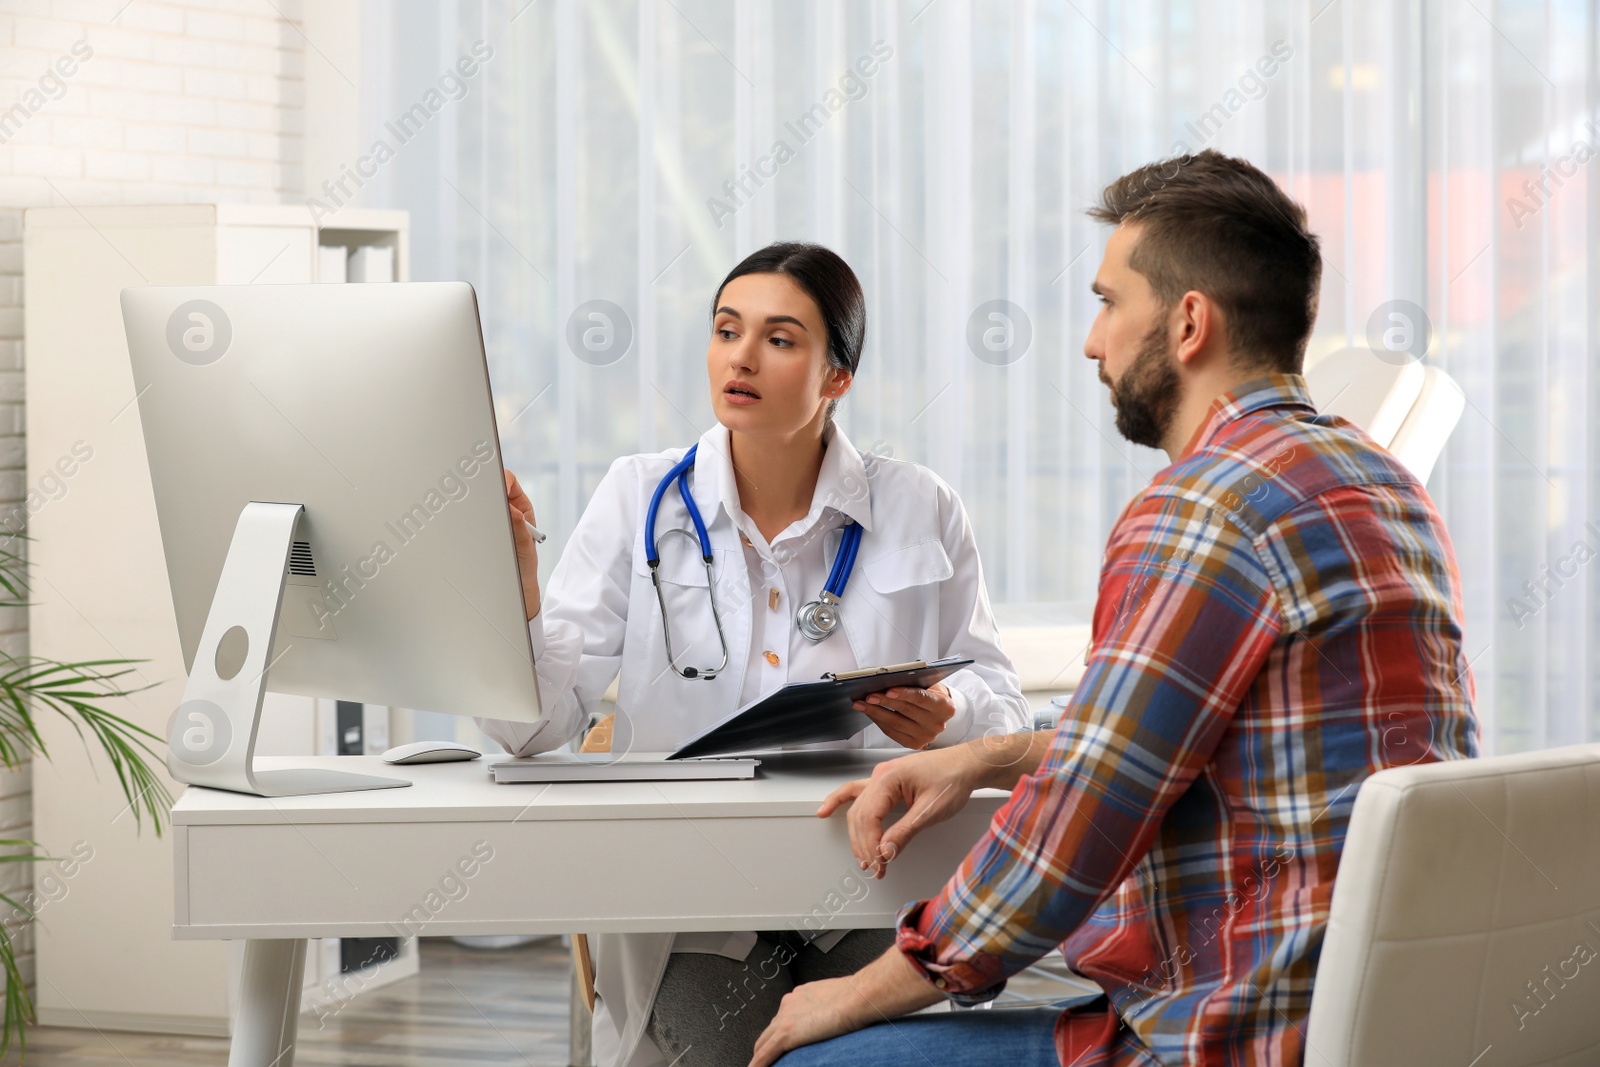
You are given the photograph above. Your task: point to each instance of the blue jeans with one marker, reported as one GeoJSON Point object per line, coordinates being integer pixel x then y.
{"type": "Point", "coordinates": [1015, 1037]}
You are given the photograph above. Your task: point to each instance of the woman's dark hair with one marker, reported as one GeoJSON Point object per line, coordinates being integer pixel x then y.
{"type": "Point", "coordinates": [831, 285]}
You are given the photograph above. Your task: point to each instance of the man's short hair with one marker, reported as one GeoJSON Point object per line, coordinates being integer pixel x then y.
{"type": "Point", "coordinates": [1218, 225]}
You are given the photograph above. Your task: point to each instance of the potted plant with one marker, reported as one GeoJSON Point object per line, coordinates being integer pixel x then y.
{"type": "Point", "coordinates": [80, 691]}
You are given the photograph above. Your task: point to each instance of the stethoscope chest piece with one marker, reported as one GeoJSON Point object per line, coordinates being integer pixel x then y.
{"type": "Point", "coordinates": [818, 619]}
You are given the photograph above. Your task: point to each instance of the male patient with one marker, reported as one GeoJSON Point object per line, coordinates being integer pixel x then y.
{"type": "Point", "coordinates": [1279, 617]}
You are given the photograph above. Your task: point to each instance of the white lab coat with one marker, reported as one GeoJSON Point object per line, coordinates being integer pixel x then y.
{"type": "Point", "coordinates": [916, 592]}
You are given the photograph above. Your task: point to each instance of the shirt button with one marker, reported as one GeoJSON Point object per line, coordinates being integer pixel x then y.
{"type": "Point", "coordinates": [772, 657]}
{"type": "Point", "coordinates": [940, 982]}
{"type": "Point", "coordinates": [772, 599]}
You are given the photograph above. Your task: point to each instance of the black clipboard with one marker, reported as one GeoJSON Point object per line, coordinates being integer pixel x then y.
{"type": "Point", "coordinates": [805, 712]}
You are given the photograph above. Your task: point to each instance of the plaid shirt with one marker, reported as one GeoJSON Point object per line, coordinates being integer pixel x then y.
{"type": "Point", "coordinates": [1278, 618]}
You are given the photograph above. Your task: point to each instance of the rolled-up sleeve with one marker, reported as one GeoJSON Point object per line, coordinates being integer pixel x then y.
{"type": "Point", "coordinates": [1185, 619]}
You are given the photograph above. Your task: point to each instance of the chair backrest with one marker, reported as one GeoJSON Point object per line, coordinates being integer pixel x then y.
{"type": "Point", "coordinates": [1375, 394]}
{"type": "Point", "coordinates": [1407, 407]}
{"type": "Point", "coordinates": [1466, 916]}
{"type": "Point", "coordinates": [1421, 438]}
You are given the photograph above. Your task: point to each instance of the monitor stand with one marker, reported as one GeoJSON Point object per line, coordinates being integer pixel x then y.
{"type": "Point", "coordinates": [212, 741]}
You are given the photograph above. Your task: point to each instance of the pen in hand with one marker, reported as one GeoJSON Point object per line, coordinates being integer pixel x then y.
{"type": "Point", "coordinates": [538, 534]}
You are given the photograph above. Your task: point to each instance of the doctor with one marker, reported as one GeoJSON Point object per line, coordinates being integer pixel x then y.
{"type": "Point", "coordinates": [772, 551]}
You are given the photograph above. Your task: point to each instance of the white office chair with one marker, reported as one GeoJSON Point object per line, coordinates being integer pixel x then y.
{"type": "Point", "coordinates": [1408, 408]}
{"type": "Point", "coordinates": [1465, 924]}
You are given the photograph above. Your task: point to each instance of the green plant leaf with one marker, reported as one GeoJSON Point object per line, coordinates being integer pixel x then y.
{"type": "Point", "coordinates": [19, 1005]}
{"type": "Point", "coordinates": [78, 691]}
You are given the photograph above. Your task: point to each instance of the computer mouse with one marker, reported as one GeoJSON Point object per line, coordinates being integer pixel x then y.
{"type": "Point", "coordinates": [430, 752]}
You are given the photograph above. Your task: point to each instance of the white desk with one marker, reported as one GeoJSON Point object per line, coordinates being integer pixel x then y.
{"type": "Point", "coordinates": [567, 858]}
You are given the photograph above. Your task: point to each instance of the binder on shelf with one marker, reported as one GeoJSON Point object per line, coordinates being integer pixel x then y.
{"type": "Point", "coordinates": [371, 263]}
{"type": "Point", "coordinates": [331, 263]}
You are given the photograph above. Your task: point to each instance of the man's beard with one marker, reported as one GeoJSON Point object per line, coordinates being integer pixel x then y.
{"type": "Point", "coordinates": [1146, 396]}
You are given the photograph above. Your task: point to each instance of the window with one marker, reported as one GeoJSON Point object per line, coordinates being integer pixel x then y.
{"type": "Point", "coordinates": [608, 162]}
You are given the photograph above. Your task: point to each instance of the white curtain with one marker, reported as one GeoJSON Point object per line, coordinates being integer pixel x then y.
{"type": "Point", "coordinates": [597, 176]}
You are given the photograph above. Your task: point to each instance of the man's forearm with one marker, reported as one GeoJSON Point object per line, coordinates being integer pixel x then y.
{"type": "Point", "coordinates": [999, 761]}
{"type": "Point", "coordinates": [891, 986]}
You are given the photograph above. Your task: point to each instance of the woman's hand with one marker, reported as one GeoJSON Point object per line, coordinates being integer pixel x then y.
{"type": "Point", "coordinates": [911, 717]}
{"type": "Point", "coordinates": [527, 551]}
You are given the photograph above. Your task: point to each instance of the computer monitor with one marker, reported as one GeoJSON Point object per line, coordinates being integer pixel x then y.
{"type": "Point", "coordinates": [333, 511]}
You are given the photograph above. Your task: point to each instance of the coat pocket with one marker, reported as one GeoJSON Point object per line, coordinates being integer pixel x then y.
{"type": "Point", "coordinates": [922, 563]}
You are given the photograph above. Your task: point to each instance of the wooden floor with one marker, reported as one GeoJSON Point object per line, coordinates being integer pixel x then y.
{"type": "Point", "coordinates": [465, 1007]}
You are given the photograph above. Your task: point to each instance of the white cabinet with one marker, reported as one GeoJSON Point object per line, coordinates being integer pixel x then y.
{"type": "Point", "coordinates": [105, 955]}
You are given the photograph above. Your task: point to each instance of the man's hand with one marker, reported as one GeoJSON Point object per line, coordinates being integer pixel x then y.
{"type": "Point", "coordinates": [527, 551]}
{"type": "Point", "coordinates": [931, 785]}
{"type": "Point", "coordinates": [883, 990]}
{"type": "Point", "coordinates": [911, 717]}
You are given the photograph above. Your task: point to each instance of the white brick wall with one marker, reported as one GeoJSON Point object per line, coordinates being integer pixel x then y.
{"type": "Point", "coordinates": [16, 816]}
{"type": "Point", "coordinates": [178, 102]}
{"type": "Point", "coordinates": [186, 102]}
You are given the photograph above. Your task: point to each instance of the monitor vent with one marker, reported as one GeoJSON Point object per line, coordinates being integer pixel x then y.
{"type": "Point", "coordinates": [300, 560]}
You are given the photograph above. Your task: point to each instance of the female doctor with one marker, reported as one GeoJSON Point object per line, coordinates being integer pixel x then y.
{"type": "Point", "coordinates": [823, 558]}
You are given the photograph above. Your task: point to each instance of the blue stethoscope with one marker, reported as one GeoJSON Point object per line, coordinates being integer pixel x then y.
{"type": "Point", "coordinates": [816, 619]}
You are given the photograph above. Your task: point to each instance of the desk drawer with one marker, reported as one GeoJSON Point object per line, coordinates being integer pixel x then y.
{"type": "Point", "coordinates": [594, 876]}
